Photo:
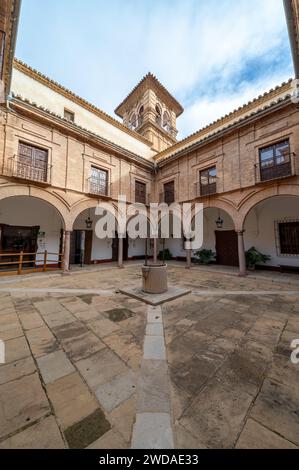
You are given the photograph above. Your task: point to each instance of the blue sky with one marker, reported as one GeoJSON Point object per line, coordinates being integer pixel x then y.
{"type": "Point", "coordinates": [212, 55]}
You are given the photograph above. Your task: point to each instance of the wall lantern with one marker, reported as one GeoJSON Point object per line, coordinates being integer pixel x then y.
{"type": "Point", "coordinates": [219, 222]}
{"type": "Point", "coordinates": [88, 221]}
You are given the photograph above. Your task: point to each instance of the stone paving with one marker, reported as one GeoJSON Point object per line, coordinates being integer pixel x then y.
{"type": "Point", "coordinates": [87, 366]}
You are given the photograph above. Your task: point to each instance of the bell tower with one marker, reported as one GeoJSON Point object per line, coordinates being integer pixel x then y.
{"type": "Point", "coordinates": [151, 111]}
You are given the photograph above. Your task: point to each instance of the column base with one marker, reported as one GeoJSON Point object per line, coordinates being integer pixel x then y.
{"type": "Point", "coordinates": [242, 274]}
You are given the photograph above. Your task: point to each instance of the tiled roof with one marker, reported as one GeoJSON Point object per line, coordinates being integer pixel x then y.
{"type": "Point", "coordinates": [219, 130]}
{"type": "Point", "coordinates": [242, 111]}
{"type": "Point", "coordinates": [147, 78]}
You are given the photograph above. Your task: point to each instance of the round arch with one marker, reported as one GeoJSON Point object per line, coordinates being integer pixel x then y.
{"type": "Point", "coordinates": [271, 226]}
{"type": "Point", "coordinates": [80, 207]}
{"type": "Point", "coordinates": [272, 191]}
{"type": "Point", "coordinates": [38, 193]}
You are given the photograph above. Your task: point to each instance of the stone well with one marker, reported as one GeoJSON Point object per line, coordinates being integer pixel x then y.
{"type": "Point", "coordinates": [154, 278]}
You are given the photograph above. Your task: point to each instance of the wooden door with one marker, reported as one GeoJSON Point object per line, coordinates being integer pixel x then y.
{"type": "Point", "coordinates": [227, 247]}
{"type": "Point", "coordinates": [88, 246]}
{"type": "Point", "coordinates": [115, 248]}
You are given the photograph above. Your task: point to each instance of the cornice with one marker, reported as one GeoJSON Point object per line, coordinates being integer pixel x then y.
{"type": "Point", "coordinates": [55, 86]}
{"type": "Point", "coordinates": [237, 113]}
{"type": "Point", "coordinates": [243, 121]}
{"type": "Point", "coordinates": [50, 118]}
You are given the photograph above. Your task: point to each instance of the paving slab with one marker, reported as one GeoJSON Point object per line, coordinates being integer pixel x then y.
{"type": "Point", "coordinates": [155, 299]}
{"type": "Point", "coordinates": [16, 349]}
{"type": "Point", "coordinates": [43, 435]}
{"type": "Point", "coordinates": [54, 365]}
{"type": "Point", "coordinates": [41, 341]}
{"type": "Point", "coordinates": [101, 367]}
{"type": "Point", "coordinates": [217, 415]}
{"type": "Point", "coordinates": [154, 329]}
{"type": "Point", "coordinates": [152, 431]}
{"type": "Point", "coordinates": [153, 387]}
{"type": "Point", "coordinates": [276, 408]}
{"type": "Point", "coordinates": [154, 348]}
{"type": "Point", "coordinates": [103, 327]}
{"type": "Point", "coordinates": [110, 440]}
{"type": "Point", "coordinates": [71, 399]}
{"type": "Point", "coordinates": [256, 436]}
{"type": "Point", "coordinates": [80, 435]}
{"type": "Point", "coordinates": [31, 320]}
{"type": "Point", "coordinates": [82, 346]}
{"type": "Point", "coordinates": [123, 417]}
{"type": "Point", "coordinates": [111, 394]}
{"type": "Point", "coordinates": [22, 401]}
{"type": "Point", "coordinates": [15, 370]}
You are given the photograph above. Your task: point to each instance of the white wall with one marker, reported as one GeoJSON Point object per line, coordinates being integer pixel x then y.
{"type": "Point", "coordinates": [36, 92]}
{"type": "Point", "coordinates": [101, 248]}
{"type": "Point", "coordinates": [260, 227]}
{"type": "Point", "coordinates": [137, 247]}
{"type": "Point", "coordinates": [29, 211]}
{"type": "Point", "coordinates": [210, 216]}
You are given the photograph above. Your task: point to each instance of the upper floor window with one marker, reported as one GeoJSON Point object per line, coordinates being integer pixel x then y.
{"type": "Point", "coordinates": [32, 163]}
{"type": "Point", "coordinates": [166, 121]}
{"type": "Point", "coordinates": [140, 115]}
{"type": "Point", "coordinates": [207, 181]}
{"type": "Point", "coordinates": [98, 181]}
{"type": "Point", "coordinates": [169, 192]}
{"type": "Point", "coordinates": [275, 161]}
{"type": "Point", "coordinates": [69, 115]}
{"type": "Point", "coordinates": [140, 192]}
{"type": "Point", "coordinates": [158, 114]}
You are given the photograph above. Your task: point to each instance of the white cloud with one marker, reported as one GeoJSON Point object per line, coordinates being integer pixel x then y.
{"type": "Point", "coordinates": [207, 109]}
{"type": "Point", "coordinates": [102, 49]}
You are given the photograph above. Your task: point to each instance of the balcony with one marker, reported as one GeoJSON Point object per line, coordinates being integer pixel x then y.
{"type": "Point", "coordinates": [205, 189]}
{"type": "Point", "coordinates": [97, 187]}
{"type": "Point", "coordinates": [35, 171]}
{"type": "Point", "coordinates": [272, 169]}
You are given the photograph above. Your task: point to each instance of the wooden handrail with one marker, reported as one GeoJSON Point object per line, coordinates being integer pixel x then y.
{"type": "Point", "coordinates": [23, 258]}
{"type": "Point", "coordinates": [31, 254]}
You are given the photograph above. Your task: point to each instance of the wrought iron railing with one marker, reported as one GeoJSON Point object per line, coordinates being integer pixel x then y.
{"type": "Point", "coordinates": [40, 173]}
{"type": "Point", "coordinates": [205, 189]}
{"type": "Point", "coordinates": [270, 169]}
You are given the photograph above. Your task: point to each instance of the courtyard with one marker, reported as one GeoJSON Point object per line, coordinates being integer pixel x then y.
{"type": "Point", "coordinates": [88, 367]}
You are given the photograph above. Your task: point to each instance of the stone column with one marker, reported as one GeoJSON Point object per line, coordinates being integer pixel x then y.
{"type": "Point", "coordinates": [120, 252]}
{"type": "Point", "coordinates": [188, 258]}
{"type": "Point", "coordinates": [155, 251]}
{"type": "Point", "coordinates": [241, 253]}
{"type": "Point", "coordinates": [66, 252]}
